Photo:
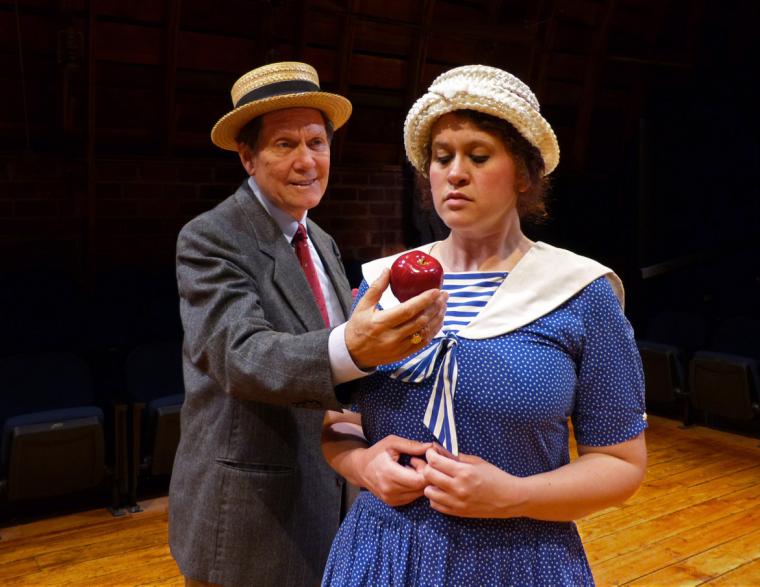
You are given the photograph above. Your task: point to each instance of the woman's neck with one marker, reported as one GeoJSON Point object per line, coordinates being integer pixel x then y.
{"type": "Point", "coordinates": [493, 252]}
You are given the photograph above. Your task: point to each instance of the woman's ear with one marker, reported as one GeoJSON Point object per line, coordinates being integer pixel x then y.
{"type": "Point", "coordinates": [522, 179]}
{"type": "Point", "coordinates": [247, 158]}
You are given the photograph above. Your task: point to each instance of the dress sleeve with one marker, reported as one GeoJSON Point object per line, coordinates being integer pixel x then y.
{"type": "Point", "coordinates": [609, 397]}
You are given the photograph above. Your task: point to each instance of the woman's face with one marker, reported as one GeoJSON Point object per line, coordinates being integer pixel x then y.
{"type": "Point", "coordinates": [472, 177]}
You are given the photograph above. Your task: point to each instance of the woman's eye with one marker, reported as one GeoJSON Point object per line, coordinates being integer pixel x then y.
{"type": "Point", "coordinates": [442, 159]}
{"type": "Point", "coordinates": [479, 158]}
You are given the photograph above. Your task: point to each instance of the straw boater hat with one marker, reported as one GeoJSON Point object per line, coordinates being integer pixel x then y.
{"type": "Point", "coordinates": [274, 87]}
{"type": "Point", "coordinates": [485, 89]}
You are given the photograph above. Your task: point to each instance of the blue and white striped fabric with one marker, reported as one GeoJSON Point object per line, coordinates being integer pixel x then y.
{"type": "Point", "coordinates": [468, 295]}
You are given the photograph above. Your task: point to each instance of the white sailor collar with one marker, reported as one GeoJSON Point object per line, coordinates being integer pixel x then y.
{"type": "Point", "coordinates": [542, 280]}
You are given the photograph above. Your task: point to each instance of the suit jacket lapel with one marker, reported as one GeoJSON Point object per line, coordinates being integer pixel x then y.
{"type": "Point", "coordinates": [331, 260]}
{"type": "Point", "coordinates": [287, 275]}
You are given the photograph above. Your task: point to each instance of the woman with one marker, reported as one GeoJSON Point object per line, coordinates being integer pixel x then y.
{"type": "Point", "coordinates": [466, 452]}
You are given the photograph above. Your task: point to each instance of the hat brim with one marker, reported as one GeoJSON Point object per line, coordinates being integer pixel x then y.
{"type": "Point", "coordinates": [336, 108]}
{"type": "Point", "coordinates": [431, 106]}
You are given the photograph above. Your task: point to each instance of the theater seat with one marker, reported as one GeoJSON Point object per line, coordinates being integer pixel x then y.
{"type": "Point", "coordinates": [725, 385]}
{"type": "Point", "coordinates": [53, 453]}
{"type": "Point", "coordinates": [663, 366]}
{"type": "Point", "coordinates": [153, 374]}
{"type": "Point", "coordinates": [724, 379]}
{"type": "Point", "coordinates": [53, 437]}
{"type": "Point", "coordinates": [670, 340]}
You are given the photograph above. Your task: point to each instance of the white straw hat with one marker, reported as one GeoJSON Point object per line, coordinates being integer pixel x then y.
{"type": "Point", "coordinates": [276, 86]}
{"type": "Point", "coordinates": [485, 89]}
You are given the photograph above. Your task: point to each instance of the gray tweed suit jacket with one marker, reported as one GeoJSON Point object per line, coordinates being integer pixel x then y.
{"type": "Point", "coordinates": [252, 501]}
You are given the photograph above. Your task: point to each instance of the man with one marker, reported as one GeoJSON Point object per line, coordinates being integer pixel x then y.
{"type": "Point", "coordinates": [263, 299]}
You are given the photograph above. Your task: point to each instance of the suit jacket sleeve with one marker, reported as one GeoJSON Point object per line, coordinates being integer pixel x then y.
{"type": "Point", "coordinates": [240, 329]}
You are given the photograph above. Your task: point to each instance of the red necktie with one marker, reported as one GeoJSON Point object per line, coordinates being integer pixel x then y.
{"type": "Point", "coordinates": [307, 264]}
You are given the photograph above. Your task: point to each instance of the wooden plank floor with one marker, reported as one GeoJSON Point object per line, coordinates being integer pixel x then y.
{"type": "Point", "coordinates": [695, 521]}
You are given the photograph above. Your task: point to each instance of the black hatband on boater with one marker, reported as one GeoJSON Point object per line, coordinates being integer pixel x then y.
{"type": "Point", "coordinates": [278, 89]}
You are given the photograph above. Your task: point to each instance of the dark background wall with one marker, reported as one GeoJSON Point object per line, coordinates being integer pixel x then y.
{"type": "Point", "coordinates": [106, 108]}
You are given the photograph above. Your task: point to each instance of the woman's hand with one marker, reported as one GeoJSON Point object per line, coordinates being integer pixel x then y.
{"type": "Point", "coordinates": [377, 467]}
{"type": "Point", "coordinates": [389, 480]}
{"type": "Point", "coordinates": [467, 486]}
{"type": "Point", "coordinates": [601, 477]}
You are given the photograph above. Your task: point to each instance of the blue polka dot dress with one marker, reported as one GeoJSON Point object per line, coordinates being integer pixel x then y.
{"type": "Point", "coordinates": [514, 395]}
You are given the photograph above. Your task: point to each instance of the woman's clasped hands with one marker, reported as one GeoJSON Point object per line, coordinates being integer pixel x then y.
{"type": "Point", "coordinates": [399, 471]}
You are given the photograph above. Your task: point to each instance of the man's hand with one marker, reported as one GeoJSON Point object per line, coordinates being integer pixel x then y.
{"type": "Point", "coordinates": [376, 337]}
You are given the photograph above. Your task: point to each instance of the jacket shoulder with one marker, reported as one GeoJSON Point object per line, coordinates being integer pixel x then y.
{"type": "Point", "coordinates": [222, 217]}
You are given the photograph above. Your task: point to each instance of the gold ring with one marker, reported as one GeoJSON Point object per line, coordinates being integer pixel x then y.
{"type": "Point", "coordinates": [416, 338]}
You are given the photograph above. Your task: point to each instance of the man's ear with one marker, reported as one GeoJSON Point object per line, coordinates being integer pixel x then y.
{"type": "Point", "coordinates": [246, 158]}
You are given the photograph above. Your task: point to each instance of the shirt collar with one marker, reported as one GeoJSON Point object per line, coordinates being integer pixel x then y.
{"type": "Point", "coordinates": [288, 225]}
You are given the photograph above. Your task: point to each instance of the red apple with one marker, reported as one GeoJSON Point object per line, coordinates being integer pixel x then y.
{"type": "Point", "coordinates": [414, 272]}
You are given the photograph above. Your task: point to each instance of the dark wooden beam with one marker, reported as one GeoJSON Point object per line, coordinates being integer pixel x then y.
{"type": "Point", "coordinates": [493, 8]}
{"type": "Point", "coordinates": [534, 26]}
{"type": "Point", "coordinates": [302, 10]}
{"type": "Point", "coordinates": [345, 47]}
{"type": "Point", "coordinates": [596, 61]}
{"type": "Point", "coordinates": [88, 244]}
{"type": "Point", "coordinates": [694, 18]}
{"type": "Point", "coordinates": [654, 61]}
{"type": "Point", "coordinates": [419, 52]}
{"type": "Point", "coordinates": [543, 30]}
{"type": "Point", "coordinates": [173, 11]}
{"type": "Point", "coordinates": [343, 66]}
{"type": "Point", "coordinates": [417, 59]}
{"type": "Point", "coordinates": [389, 101]}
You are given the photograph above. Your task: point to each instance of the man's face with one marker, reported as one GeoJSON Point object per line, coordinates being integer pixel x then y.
{"type": "Point", "coordinates": [291, 162]}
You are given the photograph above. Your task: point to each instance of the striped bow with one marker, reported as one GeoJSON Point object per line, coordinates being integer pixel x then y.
{"type": "Point", "coordinates": [439, 415]}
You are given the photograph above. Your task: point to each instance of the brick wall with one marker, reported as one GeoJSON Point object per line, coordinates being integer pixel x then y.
{"type": "Point", "coordinates": [363, 212]}
{"type": "Point", "coordinates": [42, 211]}
{"type": "Point", "coordinates": [134, 208]}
